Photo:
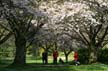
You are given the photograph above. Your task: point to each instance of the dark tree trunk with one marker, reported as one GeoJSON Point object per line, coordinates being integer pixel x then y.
{"type": "Point", "coordinates": [66, 55]}
{"type": "Point", "coordinates": [66, 58]}
{"type": "Point", "coordinates": [47, 57]}
{"type": "Point", "coordinates": [20, 55]}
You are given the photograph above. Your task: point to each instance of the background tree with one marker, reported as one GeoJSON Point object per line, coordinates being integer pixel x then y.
{"type": "Point", "coordinates": [90, 25]}
{"type": "Point", "coordinates": [45, 39]}
{"type": "Point", "coordinates": [58, 10]}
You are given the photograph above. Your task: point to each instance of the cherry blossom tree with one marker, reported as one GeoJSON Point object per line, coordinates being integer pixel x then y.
{"type": "Point", "coordinates": [58, 11]}
{"type": "Point", "coordinates": [87, 18]}
{"type": "Point", "coordinates": [19, 15]}
{"type": "Point", "coordinates": [90, 24]}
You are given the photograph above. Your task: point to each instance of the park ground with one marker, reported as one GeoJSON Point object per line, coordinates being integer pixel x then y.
{"type": "Point", "coordinates": [59, 67]}
{"type": "Point", "coordinates": [36, 65]}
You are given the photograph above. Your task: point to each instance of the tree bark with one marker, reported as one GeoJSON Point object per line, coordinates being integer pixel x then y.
{"type": "Point", "coordinates": [20, 55]}
{"type": "Point", "coordinates": [93, 55]}
{"type": "Point", "coordinates": [47, 56]}
{"type": "Point", "coordinates": [66, 56]}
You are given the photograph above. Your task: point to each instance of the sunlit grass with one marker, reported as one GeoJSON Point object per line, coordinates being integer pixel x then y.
{"type": "Point", "coordinates": [31, 59]}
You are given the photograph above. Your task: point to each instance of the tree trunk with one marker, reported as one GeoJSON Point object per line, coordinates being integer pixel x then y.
{"type": "Point", "coordinates": [66, 55]}
{"type": "Point", "coordinates": [47, 57]}
{"type": "Point", "coordinates": [20, 55]}
{"type": "Point", "coordinates": [93, 56]}
{"type": "Point", "coordinates": [66, 58]}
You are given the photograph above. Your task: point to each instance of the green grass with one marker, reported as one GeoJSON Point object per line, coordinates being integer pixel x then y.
{"type": "Point", "coordinates": [35, 64]}
{"type": "Point", "coordinates": [40, 67]}
{"type": "Point", "coordinates": [31, 59]}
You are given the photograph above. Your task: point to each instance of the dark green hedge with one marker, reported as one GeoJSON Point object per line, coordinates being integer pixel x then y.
{"type": "Point", "coordinates": [103, 55]}
{"type": "Point", "coordinates": [83, 55]}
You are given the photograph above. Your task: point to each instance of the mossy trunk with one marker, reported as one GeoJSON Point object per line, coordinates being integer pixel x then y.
{"type": "Point", "coordinates": [93, 55]}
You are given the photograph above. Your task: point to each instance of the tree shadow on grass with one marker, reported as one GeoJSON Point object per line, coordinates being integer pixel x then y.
{"type": "Point", "coordinates": [41, 67]}
{"type": "Point", "coordinates": [54, 67]}
{"type": "Point", "coordinates": [4, 63]}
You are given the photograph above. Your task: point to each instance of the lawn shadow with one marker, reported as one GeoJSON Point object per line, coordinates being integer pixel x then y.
{"type": "Point", "coordinates": [41, 67]}
{"type": "Point", "coordinates": [52, 67]}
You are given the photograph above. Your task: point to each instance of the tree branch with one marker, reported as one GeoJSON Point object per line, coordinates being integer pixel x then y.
{"type": "Point", "coordinates": [6, 37]}
{"type": "Point", "coordinates": [103, 37]}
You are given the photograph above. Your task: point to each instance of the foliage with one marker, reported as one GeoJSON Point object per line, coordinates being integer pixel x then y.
{"type": "Point", "coordinates": [7, 49]}
{"type": "Point", "coordinates": [103, 55]}
{"type": "Point", "coordinates": [83, 55]}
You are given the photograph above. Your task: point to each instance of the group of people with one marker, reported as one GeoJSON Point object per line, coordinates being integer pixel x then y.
{"type": "Point", "coordinates": [55, 56]}
{"type": "Point", "coordinates": [45, 57]}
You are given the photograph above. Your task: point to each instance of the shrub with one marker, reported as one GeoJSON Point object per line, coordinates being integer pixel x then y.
{"type": "Point", "coordinates": [103, 55]}
{"type": "Point", "coordinates": [83, 55]}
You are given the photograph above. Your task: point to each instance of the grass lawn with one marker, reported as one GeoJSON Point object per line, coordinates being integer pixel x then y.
{"type": "Point", "coordinates": [36, 65]}
{"type": "Point", "coordinates": [59, 67]}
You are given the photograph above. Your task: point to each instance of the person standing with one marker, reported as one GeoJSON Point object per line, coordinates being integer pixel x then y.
{"type": "Point", "coordinates": [55, 55]}
{"type": "Point", "coordinates": [44, 57]}
{"type": "Point", "coordinates": [76, 58]}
